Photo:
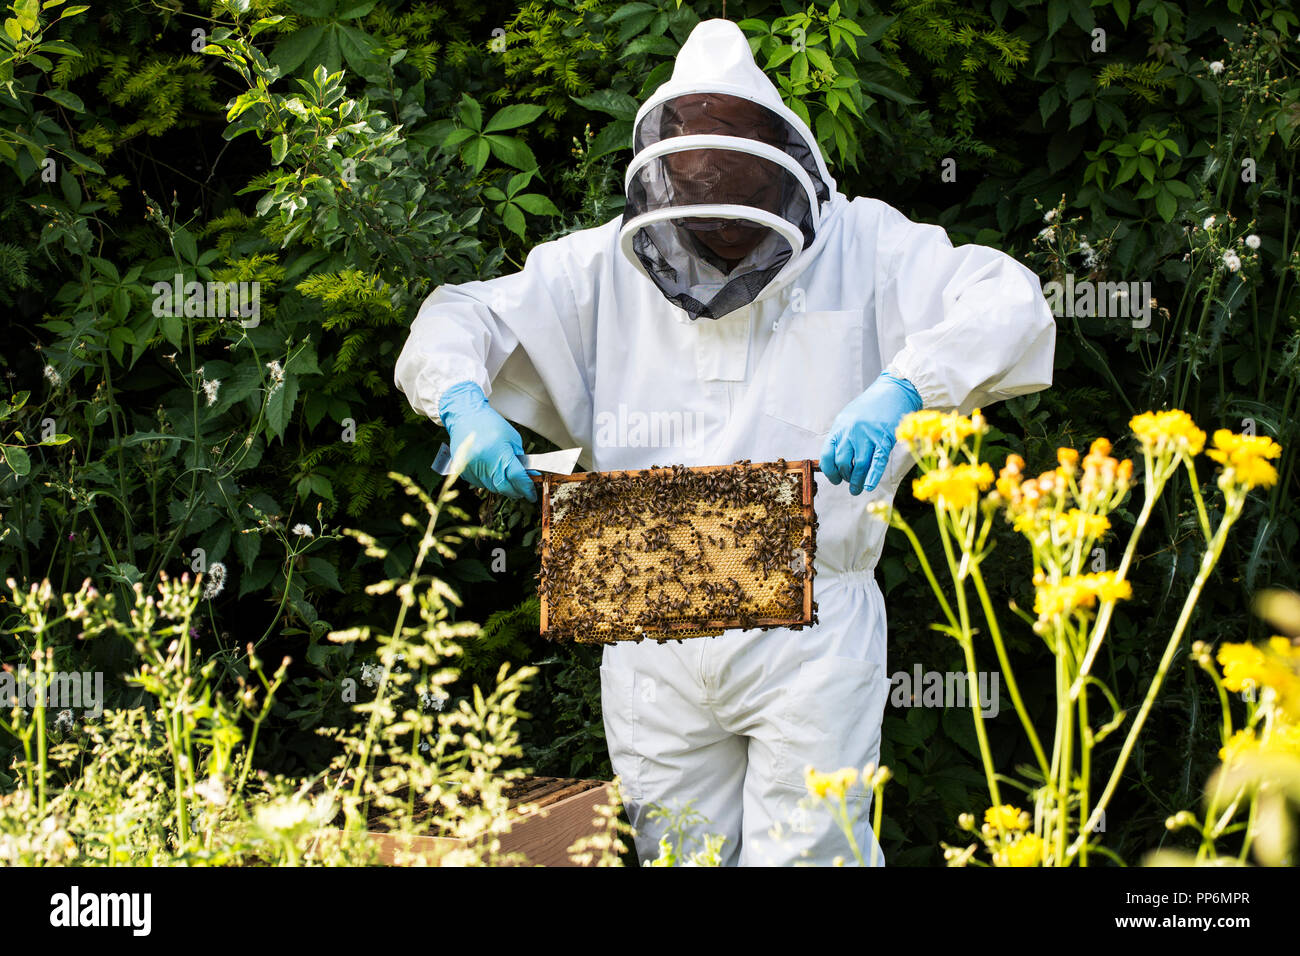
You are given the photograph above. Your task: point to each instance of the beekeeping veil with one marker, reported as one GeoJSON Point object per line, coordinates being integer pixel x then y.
{"type": "Point", "coordinates": [726, 185]}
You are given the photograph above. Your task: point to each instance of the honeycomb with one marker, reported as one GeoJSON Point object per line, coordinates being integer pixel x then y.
{"type": "Point", "coordinates": [672, 552]}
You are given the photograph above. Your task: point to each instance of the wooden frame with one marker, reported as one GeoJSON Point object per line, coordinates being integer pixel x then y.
{"type": "Point", "coordinates": [543, 832]}
{"type": "Point", "coordinates": [804, 468]}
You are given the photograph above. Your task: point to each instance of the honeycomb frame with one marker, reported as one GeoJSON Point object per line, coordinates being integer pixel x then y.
{"type": "Point", "coordinates": [671, 552]}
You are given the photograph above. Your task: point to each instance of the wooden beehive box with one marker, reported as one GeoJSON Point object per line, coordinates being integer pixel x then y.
{"type": "Point", "coordinates": [547, 815]}
{"type": "Point", "coordinates": [677, 552]}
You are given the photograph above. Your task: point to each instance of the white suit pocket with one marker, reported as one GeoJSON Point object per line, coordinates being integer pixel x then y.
{"type": "Point", "coordinates": [832, 718]}
{"type": "Point", "coordinates": [618, 706]}
{"type": "Point", "coordinates": [814, 368]}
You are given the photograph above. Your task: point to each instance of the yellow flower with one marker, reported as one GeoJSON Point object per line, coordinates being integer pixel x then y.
{"type": "Point", "coordinates": [1079, 524]}
{"type": "Point", "coordinates": [835, 784]}
{"type": "Point", "coordinates": [1010, 818]}
{"type": "Point", "coordinates": [1238, 745]}
{"type": "Point", "coordinates": [1243, 666]}
{"type": "Point", "coordinates": [1275, 665]}
{"type": "Point", "coordinates": [1165, 431]}
{"type": "Point", "coordinates": [1078, 592]}
{"type": "Point", "coordinates": [1025, 851]}
{"type": "Point", "coordinates": [1243, 458]}
{"type": "Point", "coordinates": [953, 486]}
{"type": "Point", "coordinates": [927, 430]}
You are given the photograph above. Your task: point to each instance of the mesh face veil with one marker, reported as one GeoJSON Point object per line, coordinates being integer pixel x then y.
{"type": "Point", "coordinates": [721, 195]}
{"type": "Point", "coordinates": [726, 185]}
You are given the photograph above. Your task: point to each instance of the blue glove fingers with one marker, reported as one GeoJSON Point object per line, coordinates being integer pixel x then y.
{"type": "Point", "coordinates": [878, 465]}
{"type": "Point", "coordinates": [827, 463]}
{"type": "Point", "coordinates": [846, 453]}
{"type": "Point", "coordinates": [862, 462]}
{"type": "Point", "coordinates": [518, 482]}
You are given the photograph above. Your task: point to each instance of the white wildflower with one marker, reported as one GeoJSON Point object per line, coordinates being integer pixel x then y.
{"type": "Point", "coordinates": [53, 377]}
{"type": "Point", "coordinates": [1089, 254]}
{"type": "Point", "coordinates": [213, 791]}
{"type": "Point", "coordinates": [210, 389]}
{"type": "Point", "coordinates": [1048, 234]}
{"type": "Point", "coordinates": [277, 373]}
{"type": "Point", "coordinates": [370, 674]}
{"type": "Point", "coordinates": [1216, 67]}
{"type": "Point", "coordinates": [435, 699]}
{"type": "Point", "coordinates": [1231, 261]}
{"type": "Point", "coordinates": [216, 581]}
{"type": "Point", "coordinates": [63, 723]}
{"type": "Point", "coordinates": [1208, 222]}
{"type": "Point", "coordinates": [1252, 241]}
{"type": "Point", "coordinates": [302, 530]}
{"type": "Point", "coordinates": [1049, 215]}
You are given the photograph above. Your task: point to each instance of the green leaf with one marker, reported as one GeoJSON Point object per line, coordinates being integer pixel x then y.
{"type": "Point", "coordinates": [322, 569]}
{"type": "Point", "coordinates": [1058, 11]}
{"type": "Point", "coordinates": [354, 9]}
{"type": "Point", "coordinates": [279, 407]}
{"type": "Point", "coordinates": [627, 9]}
{"type": "Point", "coordinates": [513, 117]}
{"type": "Point", "coordinates": [615, 136]}
{"type": "Point", "coordinates": [659, 45]}
{"type": "Point", "coordinates": [57, 440]}
{"type": "Point", "coordinates": [616, 104]}
{"type": "Point", "coordinates": [514, 220]}
{"type": "Point", "coordinates": [173, 329]}
{"type": "Point", "coordinates": [471, 114]}
{"type": "Point", "coordinates": [476, 153]}
{"type": "Point", "coordinates": [185, 246]}
{"type": "Point", "coordinates": [293, 50]}
{"type": "Point", "coordinates": [537, 204]}
{"type": "Point", "coordinates": [511, 150]}
{"type": "Point", "coordinates": [1166, 205]}
{"type": "Point", "coordinates": [14, 403]}
{"type": "Point", "coordinates": [279, 149]}
{"type": "Point", "coordinates": [67, 99]}
{"type": "Point", "coordinates": [85, 162]}
{"type": "Point", "coordinates": [17, 459]}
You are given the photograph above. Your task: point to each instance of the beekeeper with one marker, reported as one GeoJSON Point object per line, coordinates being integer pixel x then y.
{"type": "Point", "coordinates": [742, 294]}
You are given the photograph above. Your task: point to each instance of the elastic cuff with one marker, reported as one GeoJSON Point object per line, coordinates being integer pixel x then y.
{"type": "Point", "coordinates": [926, 386]}
{"type": "Point", "coordinates": [435, 382]}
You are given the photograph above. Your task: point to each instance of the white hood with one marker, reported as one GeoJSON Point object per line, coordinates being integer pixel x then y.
{"type": "Point", "coordinates": [727, 187]}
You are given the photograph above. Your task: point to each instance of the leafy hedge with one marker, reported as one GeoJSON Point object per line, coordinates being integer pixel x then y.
{"type": "Point", "coordinates": [350, 155]}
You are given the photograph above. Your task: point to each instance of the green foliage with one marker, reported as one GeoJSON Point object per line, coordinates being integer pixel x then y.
{"type": "Point", "coordinates": [349, 157]}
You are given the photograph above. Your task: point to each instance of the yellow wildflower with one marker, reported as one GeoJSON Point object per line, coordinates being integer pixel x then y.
{"type": "Point", "coordinates": [1243, 458]}
{"type": "Point", "coordinates": [835, 784]}
{"type": "Point", "coordinates": [1243, 666]}
{"type": "Point", "coordinates": [1010, 818]}
{"type": "Point", "coordinates": [1165, 431]}
{"type": "Point", "coordinates": [1275, 665]}
{"type": "Point", "coordinates": [1239, 744]}
{"type": "Point", "coordinates": [926, 430]}
{"type": "Point", "coordinates": [954, 486]}
{"type": "Point", "coordinates": [1078, 592]}
{"type": "Point", "coordinates": [1025, 851]}
{"type": "Point", "coordinates": [1079, 524]}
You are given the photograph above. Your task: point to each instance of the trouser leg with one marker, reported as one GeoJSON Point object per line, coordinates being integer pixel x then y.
{"type": "Point", "coordinates": [811, 697]}
{"type": "Point", "coordinates": [668, 748]}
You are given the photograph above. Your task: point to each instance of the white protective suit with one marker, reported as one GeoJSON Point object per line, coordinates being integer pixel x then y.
{"type": "Point", "coordinates": [585, 349]}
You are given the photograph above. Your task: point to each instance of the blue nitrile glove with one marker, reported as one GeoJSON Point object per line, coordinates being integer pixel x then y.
{"type": "Point", "coordinates": [494, 459]}
{"type": "Point", "coordinates": [862, 435]}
